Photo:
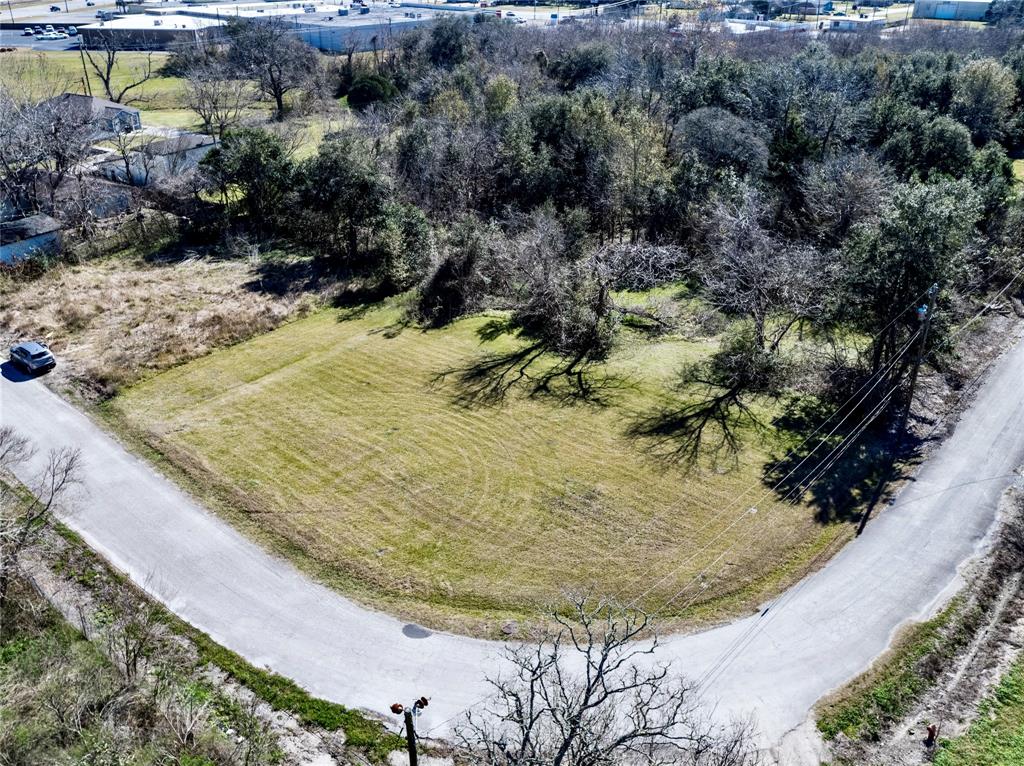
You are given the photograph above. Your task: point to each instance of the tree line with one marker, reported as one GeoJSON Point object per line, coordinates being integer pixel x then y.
{"type": "Point", "coordinates": [795, 185]}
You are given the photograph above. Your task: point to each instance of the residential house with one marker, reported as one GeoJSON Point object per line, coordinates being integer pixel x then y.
{"type": "Point", "coordinates": [108, 117]}
{"type": "Point", "coordinates": [151, 161]}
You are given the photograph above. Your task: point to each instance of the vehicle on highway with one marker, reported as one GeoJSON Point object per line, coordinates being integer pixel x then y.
{"type": "Point", "coordinates": [32, 357]}
{"type": "Point", "coordinates": [90, 3]}
{"type": "Point", "coordinates": [54, 9]}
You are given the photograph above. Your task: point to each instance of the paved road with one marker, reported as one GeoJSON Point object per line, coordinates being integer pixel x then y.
{"type": "Point", "coordinates": [825, 631]}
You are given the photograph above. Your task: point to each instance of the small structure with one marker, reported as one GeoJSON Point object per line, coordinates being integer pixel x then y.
{"type": "Point", "coordinates": [28, 236]}
{"type": "Point", "coordinates": [801, 8]}
{"type": "Point", "coordinates": [951, 10]}
{"type": "Point", "coordinates": [851, 23]}
{"type": "Point", "coordinates": [107, 116]}
{"type": "Point", "coordinates": [152, 161]}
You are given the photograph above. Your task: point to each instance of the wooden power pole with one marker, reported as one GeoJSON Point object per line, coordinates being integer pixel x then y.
{"type": "Point", "coordinates": [410, 736]}
{"type": "Point", "coordinates": [921, 349]}
{"type": "Point", "coordinates": [410, 724]}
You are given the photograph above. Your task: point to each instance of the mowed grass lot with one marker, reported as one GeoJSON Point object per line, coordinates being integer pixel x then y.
{"type": "Point", "coordinates": [332, 440]}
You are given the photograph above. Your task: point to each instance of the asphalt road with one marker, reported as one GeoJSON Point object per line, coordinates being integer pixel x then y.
{"type": "Point", "coordinates": [825, 630]}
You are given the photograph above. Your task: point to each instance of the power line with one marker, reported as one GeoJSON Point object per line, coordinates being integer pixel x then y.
{"type": "Point", "coordinates": [879, 377]}
{"type": "Point", "coordinates": [740, 644]}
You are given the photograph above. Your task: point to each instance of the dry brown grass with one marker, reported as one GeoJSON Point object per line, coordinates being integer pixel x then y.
{"type": "Point", "coordinates": [113, 321]}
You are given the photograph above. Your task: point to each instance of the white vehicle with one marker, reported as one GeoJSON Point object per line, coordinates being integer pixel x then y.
{"type": "Point", "coordinates": [51, 36]}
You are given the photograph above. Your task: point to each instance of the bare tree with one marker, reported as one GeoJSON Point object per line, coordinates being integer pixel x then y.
{"type": "Point", "coordinates": [43, 143]}
{"type": "Point", "coordinates": [589, 693]}
{"type": "Point", "coordinates": [219, 101]}
{"type": "Point", "coordinates": [751, 273]}
{"type": "Point", "coordinates": [185, 712]}
{"type": "Point", "coordinates": [842, 192]}
{"type": "Point", "coordinates": [268, 52]}
{"type": "Point", "coordinates": [104, 63]}
{"type": "Point", "coordinates": [132, 630]}
{"type": "Point", "coordinates": [136, 159]}
{"type": "Point", "coordinates": [27, 510]}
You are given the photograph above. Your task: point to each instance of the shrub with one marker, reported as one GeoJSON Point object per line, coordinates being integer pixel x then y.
{"type": "Point", "coordinates": [370, 89]}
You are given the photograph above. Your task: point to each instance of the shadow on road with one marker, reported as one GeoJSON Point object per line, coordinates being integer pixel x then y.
{"type": "Point", "coordinates": [845, 472]}
{"type": "Point", "coordinates": [13, 374]}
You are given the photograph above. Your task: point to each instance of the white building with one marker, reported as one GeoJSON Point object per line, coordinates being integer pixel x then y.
{"type": "Point", "coordinates": [951, 10]}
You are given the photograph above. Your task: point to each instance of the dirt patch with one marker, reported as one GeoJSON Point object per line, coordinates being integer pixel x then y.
{"type": "Point", "coordinates": [113, 321]}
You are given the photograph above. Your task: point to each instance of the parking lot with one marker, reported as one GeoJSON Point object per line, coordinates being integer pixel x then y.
{"type": "Point", "coordinates": [12, 38]}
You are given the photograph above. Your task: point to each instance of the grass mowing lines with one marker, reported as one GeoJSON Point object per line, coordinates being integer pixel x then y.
{"type": "Point", "coordinates": [350, 454]}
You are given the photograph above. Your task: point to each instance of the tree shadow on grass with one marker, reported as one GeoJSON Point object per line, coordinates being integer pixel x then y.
{"type": "Point", "coordinates": [706, 429]}
{"type": "Point", "coordinates": [288, 276]}
{"type": "Point", "coordinates": [843, 475]}
{"type": "Point", "coordinates": [533, 368]}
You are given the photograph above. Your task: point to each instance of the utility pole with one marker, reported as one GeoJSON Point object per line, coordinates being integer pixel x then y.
{"type": "Point", "coordinates": [924, 313]}
{"type": "Point", "coordinates": [410, 737]}
{"type": "Point", "coordinates": [927, 311]}
{"type": "Point", "coordinates": [85, 69]}
{"type": "Point", "coordinates": [410, 714]}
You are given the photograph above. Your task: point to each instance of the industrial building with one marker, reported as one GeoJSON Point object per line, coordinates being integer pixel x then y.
{"type": "Point", "coordinates": [951, 10]}
{"type": "Point", "coordinates": [329, 27]}
{"type": "Point", "coordinates": [145, 31]}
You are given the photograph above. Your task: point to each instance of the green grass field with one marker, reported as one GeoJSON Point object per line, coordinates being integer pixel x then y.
{"type": "Point", "coordinates": [161, 100]}
{"type": "Point", "coordinates": [42, 74]}
{"type": "Point", "coordinates": [996, 738]}
{"type": "Point", "coordinates": [332, 440]}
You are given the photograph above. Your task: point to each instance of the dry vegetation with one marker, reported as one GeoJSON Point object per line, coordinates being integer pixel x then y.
{"type": "Point", "coordinates": [115, 319]}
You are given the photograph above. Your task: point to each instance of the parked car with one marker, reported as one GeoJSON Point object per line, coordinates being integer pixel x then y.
{"type": "Point", "coordinates": [62, 30]}
{"type": "Point", "coordinates": [48, 28]}
{"type": "Point", "coordinates": [72, 31]}
{"type": "Point", "coordinates": [33, 357]}
{"type": "Point", "coordinates": [28, 32]}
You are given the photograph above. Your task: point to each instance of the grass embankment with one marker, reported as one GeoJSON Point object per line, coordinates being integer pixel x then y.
{"type": "Point", "coordinates": [333, 440]}
{"type": "Point", "coordinates": [996, 738]}
{"type": "Point", "coordinates": [880, 698]}
{"type": "Point", "coordinates": [886, 692]}
{"type": "Point", "coordinates": [83, 566]}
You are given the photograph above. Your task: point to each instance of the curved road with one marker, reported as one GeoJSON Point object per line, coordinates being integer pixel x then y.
{"type": "Point", "coordinates": [822, 632]}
